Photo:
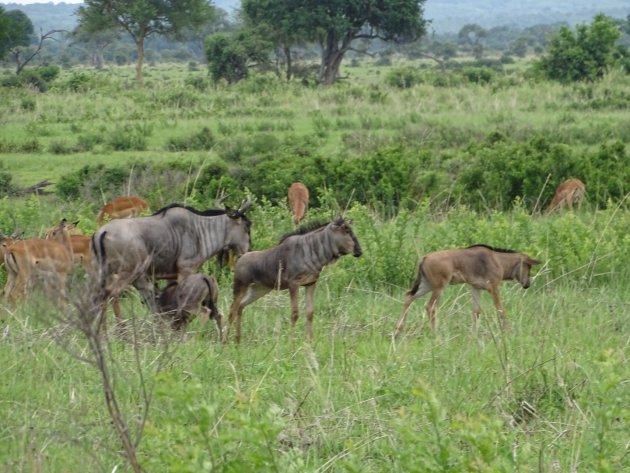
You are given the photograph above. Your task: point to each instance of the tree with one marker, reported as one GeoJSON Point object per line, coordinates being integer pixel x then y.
{"type": "Point", "coordinates": [231, 55]}
{"type": "Point", "coordinates": [95, 43]}
{"type": "Point", "coordinates": [336, 24]}
{"type": "Point", "coordinates": [15, 31]}
{"type": "Point", "coordinates": [144, 18]}
{"type": "Point", "coordinates": [583, 55]}
{"type": "Point", "coordinates": [472, 34]}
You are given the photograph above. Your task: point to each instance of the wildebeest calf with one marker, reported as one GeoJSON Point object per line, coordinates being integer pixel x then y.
{"type": "Point", "coordinates": [481, 266]}
{"type": "Point", "coordinates": [296, 261]}
{"type": "Point", "coordinates": [195, 293]}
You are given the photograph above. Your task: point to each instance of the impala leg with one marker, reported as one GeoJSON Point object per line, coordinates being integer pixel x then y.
{"type": "Point", "coordinates": [422, 289]}
{"type": "Point", "coordinates": [494, 292]}
{"type": "Point", "coordinates": [310, 291]}
{"type": "Point", "coordinates": [476, 295]}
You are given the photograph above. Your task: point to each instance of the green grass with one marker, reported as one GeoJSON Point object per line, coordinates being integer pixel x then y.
{"type": "Point", "coordinates": [548, 394]}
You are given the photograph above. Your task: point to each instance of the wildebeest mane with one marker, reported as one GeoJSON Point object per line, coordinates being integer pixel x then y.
{"type": "Point", "coordinates": [304, 229]}
{"type": "Point", "coordinates": [203, 213]}
{"type": "Point", "coordinates": [500, 250]}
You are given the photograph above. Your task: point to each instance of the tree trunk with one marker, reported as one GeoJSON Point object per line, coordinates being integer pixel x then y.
{"type": "Point", "coordinates": [140, 62]}
{"type": "Point", "coordinates": [287, 54]}
{"type": "Point", "coordinates": [332, 55]}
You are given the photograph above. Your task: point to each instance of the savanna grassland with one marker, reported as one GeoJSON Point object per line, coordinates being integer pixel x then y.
{"type": "Point", "coordinates": [420, 161]}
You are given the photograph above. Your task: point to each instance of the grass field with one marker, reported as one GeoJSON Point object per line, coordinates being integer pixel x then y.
{"type": "Point", "coordinates": [548, 394]}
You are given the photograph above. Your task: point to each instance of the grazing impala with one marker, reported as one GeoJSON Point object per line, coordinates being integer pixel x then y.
{"type": "Point", "coordinates": [123, 207]}
{"type": "Point", "coordinates": [298, 201]}
{"type": "Point", "coordinates": [481, 266]}
{"type": "Point", "coordinates": [296, 261]}
{"type": "Point", "coordinates": [35, 260]}
{"type": "Point", "coordinates": [569, 192]}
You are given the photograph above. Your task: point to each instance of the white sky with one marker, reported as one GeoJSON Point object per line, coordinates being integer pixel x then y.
{"type": "Point", "coordinates": [27, 2]}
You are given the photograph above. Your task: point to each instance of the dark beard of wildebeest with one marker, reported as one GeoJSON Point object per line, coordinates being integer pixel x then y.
{"type": "Point", "coordinates": [481, 266]}
{"type": "Point", "coordinates": [296, 261]}
{"type": "Point", "coordinates": [170, 244]}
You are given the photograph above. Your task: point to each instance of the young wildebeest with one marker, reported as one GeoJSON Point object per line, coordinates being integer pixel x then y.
{"type": "Point", "coordinates": [296, 261]}
{"type": "Point", "coordinates": [196, 293]}
{"type": "Point", "coordinates": [298, 201]}
{"type": "Point", "coordinates": [481, 266]}
{"type": "Point", "coordinates": [569, 192]}
{"type": "Point", "coordinates": [171, 244]}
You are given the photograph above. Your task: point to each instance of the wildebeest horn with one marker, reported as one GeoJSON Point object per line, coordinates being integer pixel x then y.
{"type": "Point", "coordinates": [245, 205]}
{"type": "Point", "coordinates": [220, 200]}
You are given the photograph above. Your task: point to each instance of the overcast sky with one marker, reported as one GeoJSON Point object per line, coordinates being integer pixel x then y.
{"type": "Point", "coordinates": [26, 2]}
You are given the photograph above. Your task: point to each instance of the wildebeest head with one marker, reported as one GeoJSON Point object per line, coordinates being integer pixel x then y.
{"type": "Point", "coordinates": [522, 271]}
{"type": "Point", "coordinates": [344, 238]}
{"type": "Point", "coordinates": [239, 238]}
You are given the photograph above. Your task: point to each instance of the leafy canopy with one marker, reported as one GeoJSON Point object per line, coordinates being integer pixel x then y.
{"type": "Point", "coordinates": [15, 30]}
{"type": "Point", "coordinates": [583, 55]}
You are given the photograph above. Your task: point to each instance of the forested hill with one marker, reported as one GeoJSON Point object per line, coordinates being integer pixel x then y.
{"type": "Point", "coordinates": [445, 15]}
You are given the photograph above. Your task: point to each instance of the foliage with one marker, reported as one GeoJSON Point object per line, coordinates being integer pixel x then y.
{"type": "Point", "coordinates": [15, 30]}
{"type": "Point", "coordinates": [231, 55]}
{"type": "Point", "coordinates": [143, 18]}
{"type": "Point", "coordinates": [403, 77]}
{"type": "Point", "coordinates": [583, 55]}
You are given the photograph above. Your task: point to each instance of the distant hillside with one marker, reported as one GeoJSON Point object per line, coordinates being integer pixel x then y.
{"type": "Point", "coordinates": [445, 15]}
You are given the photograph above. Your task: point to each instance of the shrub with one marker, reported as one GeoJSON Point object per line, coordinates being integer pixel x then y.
{"type": "Point", "coordinates": [202, 140]}
{"type": "Point", "coordinates": [403, 77]}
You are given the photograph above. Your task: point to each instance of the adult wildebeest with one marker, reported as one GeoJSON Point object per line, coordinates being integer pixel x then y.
{"type": "Point", "coordinates": [298, 201]}
{"type": "Point", "coordinates": [123, 207]}
{"type": "Point", "coordinates": [296, 261]}
{"type": "Point", "coordinates": [569, 192]}
{"type": "Point", "coordinates": [171, 244]}
{"type": "Point", "coordinates": [481, 266]}
{"type": "Point", "coordinates": [195, 293]}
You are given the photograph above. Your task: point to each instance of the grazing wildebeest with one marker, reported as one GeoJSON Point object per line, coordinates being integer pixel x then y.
{"type": "Point", "coordinates": [171, 244]}
{"type": "Point", "coordinates": [35, 260]}
{"type": "Point", "coordinates": [569, 192]}
{"type": "Point", "coordinates": [195, 293]}
{"type": "Point", "coordinates": [481, 266]}
{"type": "Point", "coordinates": [123, 207]}
{"type": "Point", "coordinates": [298, 201]}
{"type": "Point", "coordinates": [296, 261]}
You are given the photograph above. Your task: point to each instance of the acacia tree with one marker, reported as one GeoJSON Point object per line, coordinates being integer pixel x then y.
{"type": "Point", "coordinates": [144, 18]}
{"type": "Point", "coordinates": [336, 24]}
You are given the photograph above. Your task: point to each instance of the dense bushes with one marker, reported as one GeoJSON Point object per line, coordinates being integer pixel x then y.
{"type": "Point", "coordinates": [492, 174]}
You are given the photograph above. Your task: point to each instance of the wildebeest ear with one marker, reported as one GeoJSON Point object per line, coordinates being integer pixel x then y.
{"type": "Point", "coordinates": [532, 262]}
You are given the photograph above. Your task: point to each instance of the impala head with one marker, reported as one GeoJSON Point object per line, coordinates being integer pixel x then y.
{"type": "Point", "coordinates": [344, 237]}
{"type": "Point", "coordinates": [521, 272]}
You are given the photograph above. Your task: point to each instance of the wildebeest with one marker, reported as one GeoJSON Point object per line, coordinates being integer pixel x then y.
{"type": "Point", "coordinates": [123, 207]}
{"type": "Point", "coordinates": [36, 260]}
{"type": "Point", "coordinates": [296, 261]}
{"type": "Point", "coordinates": [481, 266]}
{"type": "Point", "coordinates": [170, 244]}
{"type": "Point", "coordinates": [195, 293]}
{"type": "Point", "coordinates": [569, 192]}
{"type": "Point", "coordinates": [298, 201]}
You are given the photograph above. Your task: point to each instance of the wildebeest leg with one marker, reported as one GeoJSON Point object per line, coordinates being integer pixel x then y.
{"type": "Point", "coordinates": [242, 297]}
{"type": "Point", "coordinates": [432, 304]}
{"type": "Point", "coordinates": [308, 300]}
{"type": "Point", "coordinates": [294, 291]}
{"type": "Point", "coordinates": [494, 292]}
{"type": "Point", "coordinates": [411, 296]}
{"type": "Point", "coordinates": [145, 287]}
{"type": "Point", "coordinates": [476, 294]}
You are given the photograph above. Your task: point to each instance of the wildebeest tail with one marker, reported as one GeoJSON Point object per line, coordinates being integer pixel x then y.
{"type": "Point", "coordinates": [98, 248]}
{"type": "Point", "coordinates": [11, 263]}
{"type": "Point", "coordinates": [418, 281]}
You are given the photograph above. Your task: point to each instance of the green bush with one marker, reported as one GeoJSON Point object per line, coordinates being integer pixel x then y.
{"type": "Point", "coordinates": [202, 140]}
{"type": "Point", "coordinates": [403, 77]}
